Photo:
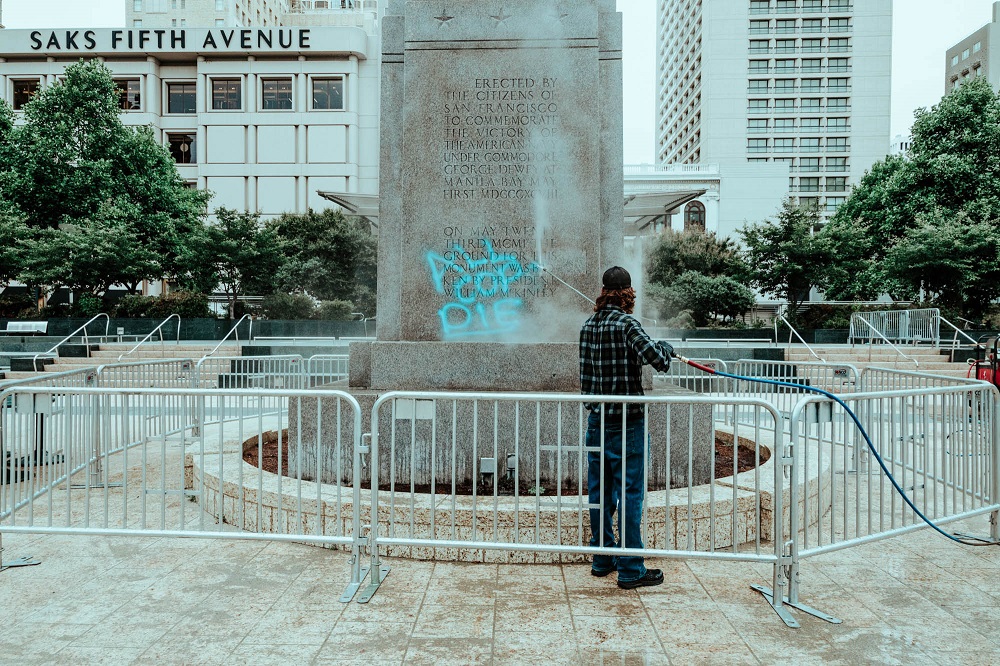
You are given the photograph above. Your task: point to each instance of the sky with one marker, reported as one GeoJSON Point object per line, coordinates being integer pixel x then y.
{"type": "Point", "coordinates": [922, 31]}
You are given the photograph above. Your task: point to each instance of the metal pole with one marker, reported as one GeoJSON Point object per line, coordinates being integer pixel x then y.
{"type": "Point", "coordinates": [995, 498]}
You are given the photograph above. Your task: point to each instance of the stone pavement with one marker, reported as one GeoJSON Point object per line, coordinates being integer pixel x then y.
{"type": "Point", "coordinates": [914, 599]}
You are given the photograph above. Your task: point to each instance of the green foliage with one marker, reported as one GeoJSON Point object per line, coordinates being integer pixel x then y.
{"type": "Point", "coordinates": [288, 306]}
{"type": "Point", "coordinates": [17, 306]}
{"type": "Point", "coordinates": [103, 202]}
{"type": "Point", "coordinates": [329, 256]}
{"type": "Point", "coordinates": [335, 310]}
{"type": "Point", "coordinates": [89, 305]}
{"type": "Point", "coordinates": [706, 298]}
{"type": "Point", "coordinates": [784, 258]}
{"type": "Point", "coordinates": [900, 231]}
{"type": "Point", "coordinates": [236, 252]}
{"type": "Point", "coordinates": [187, 304]}
{"type": "Point", "coordinates": [676, 253]}
{"type": "Point", "coordinates": [12, 233]}
{"type": "Point", "coordinates": [134, 306]}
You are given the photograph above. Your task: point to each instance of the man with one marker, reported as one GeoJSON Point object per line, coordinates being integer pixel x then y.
{"type": "Point", "coordinates": [613, 349]}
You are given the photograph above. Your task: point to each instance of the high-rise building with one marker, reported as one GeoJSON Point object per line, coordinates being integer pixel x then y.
{"type": "Point", "coordinates": [800, 82]}
{"type": "Point", "coordinates": [246, 13]}
{"type": "Point", "coordinates": [975, 56]}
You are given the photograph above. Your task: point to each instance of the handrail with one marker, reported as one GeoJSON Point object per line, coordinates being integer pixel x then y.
{"type": "Point", "coordinates": [954, 340]}
{"type": "Point", "coordinates": [86, 338]}
{"type": "Point", "coordinates": [159, 328]}
{"type": "Point", "coordinates": [791, 329]}
{"type": "Point", "coordinates": [894, 347]}
{"type": "Point", "coordinates": [231, 331]}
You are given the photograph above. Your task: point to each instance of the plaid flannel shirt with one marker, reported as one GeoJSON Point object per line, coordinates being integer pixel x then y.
{"type": "Point", "coordinates": [613, 349]}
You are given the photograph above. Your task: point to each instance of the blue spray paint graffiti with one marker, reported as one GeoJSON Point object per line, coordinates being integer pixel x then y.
{"type": "Point", "coordinates": [479, 281]}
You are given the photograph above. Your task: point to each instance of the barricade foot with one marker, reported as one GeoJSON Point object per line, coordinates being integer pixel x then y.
{"type": "Point", "coordinates": [20, 562]}
{"type": "Point", "coordinates": [785, 615]}
{"type": "Point", "coordinates": [352, 588]}
{"type": "Point", "coordinates": [373, 586]}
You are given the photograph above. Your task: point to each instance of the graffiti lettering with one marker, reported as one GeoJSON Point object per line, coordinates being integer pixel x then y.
{"type": "Point", "coordinates": [482, 304]}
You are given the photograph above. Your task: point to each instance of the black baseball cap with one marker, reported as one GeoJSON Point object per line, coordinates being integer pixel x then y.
{"type": "Point", "coordinates": [617, 277]}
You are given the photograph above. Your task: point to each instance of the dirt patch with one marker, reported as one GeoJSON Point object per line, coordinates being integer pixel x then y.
{"type": "Point", "coordinates": [265, 448]}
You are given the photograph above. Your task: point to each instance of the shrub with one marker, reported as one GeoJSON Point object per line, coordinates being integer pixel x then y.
{"type": "Point", "coordinates": [89, 305]}
{"type": "Point", "coordinates": [187, 304]}
{"type": "Point", "coordinates": [13, 306]}
{"type": "Point", "coordinates": [134, 306]}
{"type": "Point", "coordinates": [288, 306]}
{"type": "Point", "coordinates": [334, 310]}
{"type": "Point", "coordinates": [705, 298]}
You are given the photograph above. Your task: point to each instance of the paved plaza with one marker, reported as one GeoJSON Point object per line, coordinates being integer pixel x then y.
{"type": "Point", "coordinates": [916, 599]}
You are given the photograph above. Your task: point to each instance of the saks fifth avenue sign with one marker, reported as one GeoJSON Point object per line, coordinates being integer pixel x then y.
{"type": "Point", "coordinates": [183, 39]}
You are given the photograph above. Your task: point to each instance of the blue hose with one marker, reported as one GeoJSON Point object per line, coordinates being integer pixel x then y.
{"type": "Point", "coordinates": [864, 433]}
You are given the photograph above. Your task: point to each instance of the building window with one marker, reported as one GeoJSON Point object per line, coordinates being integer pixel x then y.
{"type": "Point", "coordinates": [786, 6]}
{"type": "Point", "coordinates": [759, 6]}
{"type": "Point", "coordinates": [833, 203]}
{"type": "Point", "coordinates": [137, 5]}
{"type": "Point", "coordinates": [173, 23]}
{"type": "Point", "coordinates": [758, 105]}
{"type": "Point", "coordinates": [812, 45]}
{"type": "Point", "coordinates": [809, 145]}
{"type": "Point", "coordinates": [129, 97]}
{"type": "Point", "coordinates": [328, 94]}
{"type": "Point", "coordinates": [759, 66]}
{"type": "Point", "coordinates": [173, 4]}
{"type": "Point", "coordinates": [759, 27]}
{"type": "Point", "coordinates": [812, 5]}
{"type": "Point", "coordinates": [785, 26]}
{"type": "Point", "coordinates": [227, 94]}
{"type": "Point", "coordinates": [784, 124]}
{"type": "Point", "coordinates": [977, 47]}
{"type": "Point", "coordinates": [784, 65]}
{"type": "Point", "coordinates": [836, 184]}
{"type": "Point", "coordinates": [784, 104]}
{"type": "Point", "coordinates": [758, 160]}
{"type": "Point", "coordinates": [757, 146]}
{"type": "Point", "coordinates": [965, 54]}
{"type": "Point", "coordinates": [837, 145]}
{"type": "Point", "coordinates": [182, 97]}
{"type": "Point", "coordinates": [276, 94]}
{"type": "Point", "coordinates": [812, 25]}
{"type": "Point", "coordinates": [840, 24]}
{"type": "Point", "coordinates": [837, 124]}
{"type": "Point", "coordinates": [183, 147]}
{"type": "Point", "coordinates": [837, 65]}
{"type": "Point", "coordinates": [810, 124]}
{"type": "Point", "coordinates": [809, 164]}
{"type": "Point", "coordinates": [837, 104]}
{"type": "Point", "coordinates": [184, 23]}
{"type": "Point", "coordinates": [757, 125]}
{"type": "Point", "coordinates": [838, 84]}
{"type": "Point", "coordinates": [137, 23]}
{"type": "Point", "coordinates": [840, 44]}
{"type": "Point", "coordinates": [811, 85]}
{"type": "Point", "coordinates": [784, 145]}
{"type": "Point", "coordinates": [759, 85]}
{"type": "Point", "coordinates": [694, 217]}
{"type": "Point", "coordinates": [836, 164]}
{"type": "Point", "coordinates": [759, 46]}
{"type": "Point", "coordinates": [220, 23]}
{"type": "Point", "coordinates": [23, 92]}
{"type": "Point", "coordinates": [808, 184]}
{"type": "Point", "coordinates": [785, 46]}
{"type": "Point", "coordinates": [220, 5]}
{"type": "Point", "coordinates": [812, 65]}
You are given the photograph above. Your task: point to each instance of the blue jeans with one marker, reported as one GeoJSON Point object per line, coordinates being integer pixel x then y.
{"type": "Point", "coordinates": [629, 511]}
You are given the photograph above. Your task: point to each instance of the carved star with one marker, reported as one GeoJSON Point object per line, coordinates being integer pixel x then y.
{"type": "Point", "coordinates": [444, 18]}
{"type": "Point", "coordinates": [501, 17]}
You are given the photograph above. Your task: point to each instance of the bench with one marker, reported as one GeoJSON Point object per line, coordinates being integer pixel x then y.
{"type": "Point", "coordinates": [25, 328]}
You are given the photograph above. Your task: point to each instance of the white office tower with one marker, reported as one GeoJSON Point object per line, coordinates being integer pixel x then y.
{"type": "Point", "coordinates": [247, 13]}
{"type": "Point", "coordinates": [800, 82]}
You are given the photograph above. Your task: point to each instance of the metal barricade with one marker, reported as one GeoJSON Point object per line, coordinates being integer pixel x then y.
{"type": "Point", "coordinates": [159, 482]}
{"type": "Point", "coordinates": [833, 377]}
{"type": "Point", "coordinates": [506, 477]}
{"type": "Point", "coordinates": [942, 445]}
{"type": "Point", "coordinates": [249, 372]}
{"type": "Point", "coordinates": [692, 379]}
{"type": "Point", "coordinates": [326, 369]}
{"type": "Point", "coordinates": [903, 326]}
{"type": "Point", "coordinates": [888, 379]}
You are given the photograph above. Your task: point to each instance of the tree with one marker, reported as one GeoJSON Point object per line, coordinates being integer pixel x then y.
{"type": "Point", "coordinates": [328, 255]}
{"type": "Point", "coordinates": [953, 261]}
{"type": "Point", "coordinates": [676, 253]}
{"type": "Point", "coordinates": [951, 172]}
{"type": "Point", "coordinates": [784, 258]}
{"type": "Point", "coordinates": [73, 164]}
{"type": "Point", "coordinates": [237, 252]}
{"type": "Point", "coordinates": [705, 297]}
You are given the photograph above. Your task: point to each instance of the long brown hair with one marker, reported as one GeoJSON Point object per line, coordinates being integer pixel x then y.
{"type": "Point", "coordinates": [622, 298]}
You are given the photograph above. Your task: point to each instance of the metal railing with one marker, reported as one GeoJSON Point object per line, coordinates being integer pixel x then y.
{"type": "Point", "coordinates": [58, 440]}
{"type": "Point", "coordinates": [158, 329]}
{"type": "Point", "coordinates": [234, 331]}
{"type": "Point", "coordinates": [692, 379]}
{"type": "Point", "coordinates": [54, 351]}
{"type": "Point", "coordinates": [326, 369]}
{"type": "Point", "coordinates": [836, 378]}
{"type": "Point", "coordinates": [879, 335]}
{"type": "Point", "coordinates": [792, 331]}
{"type": "Point", "coordinates": [890, 379]}
{"type": "Point", "coordinates": [900, 326]}
{"type": "Point", "coordinates": [954, 341]}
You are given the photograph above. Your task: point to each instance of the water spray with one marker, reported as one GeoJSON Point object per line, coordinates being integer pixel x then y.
{"type": "Point", "coordinates": [962, 539]}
